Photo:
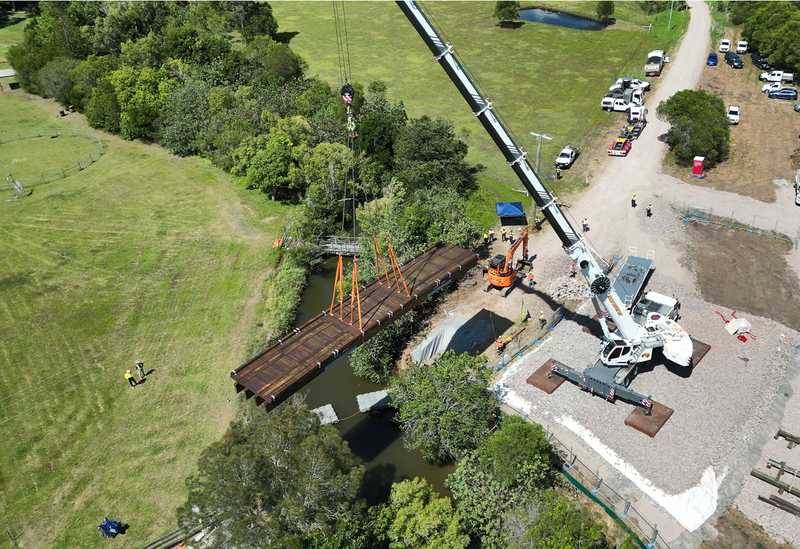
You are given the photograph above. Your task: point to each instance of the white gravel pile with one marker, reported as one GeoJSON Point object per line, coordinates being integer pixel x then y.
{"type": "Point", "coordinates": [568, 289]}
{"type": "Point", "coordinates": [720, 407]}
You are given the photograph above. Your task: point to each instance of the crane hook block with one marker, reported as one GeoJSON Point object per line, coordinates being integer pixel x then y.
{"type": "Point", "coordinates": [348, 92]}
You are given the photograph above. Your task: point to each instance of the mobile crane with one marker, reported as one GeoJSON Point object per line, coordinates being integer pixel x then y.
{"type": "Point", "coordinates": [631, 342]}
{"type": "Point", "coordinates": [502, 273]}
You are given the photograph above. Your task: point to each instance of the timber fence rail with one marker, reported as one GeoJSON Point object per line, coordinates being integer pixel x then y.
{"type": "Point", "coordinates": [784, 230]}
{"type": "Point", "coordinates": [75, 166]}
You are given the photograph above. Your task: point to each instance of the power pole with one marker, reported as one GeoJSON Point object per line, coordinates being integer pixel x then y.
{"type": "Point", "coordinates": [669, 24]}
{"type": "Point", "coordinates": [539, 136]}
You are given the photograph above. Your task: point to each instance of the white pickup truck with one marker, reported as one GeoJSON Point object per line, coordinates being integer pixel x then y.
{"type": "Point", "coordinates": [567, 156]}
{"type": "Point", "coordinates": [655, 63]}
{"type": "Point", "coordinates": [776, 76]}
{"type": "Point", "coordinates": [612, 104]}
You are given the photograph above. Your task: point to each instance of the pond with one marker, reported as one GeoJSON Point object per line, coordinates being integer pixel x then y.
{"type": "Point", "coordinates": [559, 19]}
{"type": "Point", "coordinates": [376, 442]}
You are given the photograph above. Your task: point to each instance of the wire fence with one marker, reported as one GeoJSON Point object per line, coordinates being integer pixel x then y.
{"type": "Point", "coordinates": [589, 481]}
{"type": "Point", "coordinates": [777, 230]}
{"type": "Point", "coordinates": [53, 175]}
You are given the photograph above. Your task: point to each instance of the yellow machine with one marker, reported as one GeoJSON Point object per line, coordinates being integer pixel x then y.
{"type": "Point", "coordinates": [502, 273]}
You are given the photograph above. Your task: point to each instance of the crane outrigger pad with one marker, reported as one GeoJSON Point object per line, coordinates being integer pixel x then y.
{"type": "Point", "coordinates": [542, 378]}
{"type": "Point", "coordinates": [699, 351]}
{"type": "Point", "coordinates": [652, 424]}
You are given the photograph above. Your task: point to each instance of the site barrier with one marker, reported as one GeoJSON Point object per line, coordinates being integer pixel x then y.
{"type": "Point", "coordinates": [777, 230]}
{"type": "Point", "coordinates": [73, 167]}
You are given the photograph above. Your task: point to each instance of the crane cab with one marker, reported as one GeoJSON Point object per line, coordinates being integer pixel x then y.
{"type": "Point", "coordinates": [617, 352]}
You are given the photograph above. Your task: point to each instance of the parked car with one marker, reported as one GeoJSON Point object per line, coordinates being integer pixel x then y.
{"type": "Point", "coordinates": [760, 61]}
{"type": "Point", "coordinates": [733, 114]}
{"type": "Point", "coordinates": [712, 59]}
{"type": "Point", "coordinates": [655, 63]}
{"type": "Point", "coordinates": [741, 47]}
{"type": "Point", "coordinates": [724, 45]}
{"type": "Point", "coordinates": [797, 107]}
{"type": "Point", "coordinates": [612, 104]}
{"type": "Point", "coordinates": [567, 157]}
{"type": "Point", "coordinates": [634, 83]}
{"type": "Point", "coordinates": [771, 87]}
{"type": "Point", "coordinates": [734, 60]}
{"type": "Point", "coordinates": [784, 93]}
{"type": "Point", "coordinates": [776, 76]}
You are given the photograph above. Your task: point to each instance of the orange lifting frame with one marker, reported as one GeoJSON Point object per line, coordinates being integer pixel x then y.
{"type": "Point", "coordinates": [338, 281]}
{"type": "Point", "coordinates": [379, 258]}
{"type": "Point", "coordinates": [355, 296]}
{"type": "Point", "coordinates": [398, 274]}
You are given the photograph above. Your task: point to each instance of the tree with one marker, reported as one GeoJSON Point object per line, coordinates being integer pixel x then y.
{"type": "Point", "coordinates": [141, 93]}
{"type": "Point", "coordinates": [185, 120]}
{"type": "Point", "coordinates": [698, 126]}
{"type": "Point", "coordinates": [505, 473]}
{"type": "Point", "coordinates": [375, 359]}
{"type": "Point", "coordinates": [556, 521]}
{"type": "Point", "coordinates": [102, 110]}
{"type": "Point", "coordinates": [605, 9]}
{"type": "Point", "coordinates": [415, 518]}
{"type": "Point", "coordinates": [269, 170]}
{"type": "Point", "coordinates": [428, 154]}
{"type": "Point", "coordinates": [446, 408]}
{"type": "Point", "coordinates": [252, 19]}
{"type": "Point", "coordinates": [279, 477]}
{"type": "Point", "coordinates": [506, 12]}
{"type": "Point", "coordinates": [54, 80]}
{"type": "Point", "coordinates": [86, 76]}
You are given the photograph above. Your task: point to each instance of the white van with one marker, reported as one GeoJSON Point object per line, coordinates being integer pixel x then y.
{"type": "Point", "coordinates": [741, 47]}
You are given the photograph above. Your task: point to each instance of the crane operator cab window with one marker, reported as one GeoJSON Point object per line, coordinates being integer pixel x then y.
{"type": "Point", "coordinates": [498, 262]}
{"type": "Point", "coordinates": [616, 352]}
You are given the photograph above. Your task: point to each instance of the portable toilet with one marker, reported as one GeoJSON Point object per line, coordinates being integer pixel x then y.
{"type": "Point", "coordinates": [697, 166]}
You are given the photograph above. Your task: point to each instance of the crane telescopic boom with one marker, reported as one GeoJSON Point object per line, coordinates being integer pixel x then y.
{"type": "Point", "coordinates": [635, 337]}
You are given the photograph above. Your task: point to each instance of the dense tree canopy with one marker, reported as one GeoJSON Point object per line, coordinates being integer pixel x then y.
{"type": "Point", "coordinates": [605, 9]}
{"type": "Point", "coordinates": [772, 29]}
{"type": "Point", "coordinates": [502, 474]}
{"type": "Point", "coordinates": [445, 408]}
{"type": "Point", "coordinates": [506, 12]}
{"type": "Point", "coordinates": [698, 126]}
{"type": "Point", "coordinates": [279, 476]}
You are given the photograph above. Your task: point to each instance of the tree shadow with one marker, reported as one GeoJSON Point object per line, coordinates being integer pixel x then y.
{"type": "Point", "coordinates": [372, 435]}
{"type": "Point", "coordinates": [8, 19]}
{"type": "Point", "coordinates": [377, 484]}
{"type": "Point", "coordinates": [285, 37]}
{"type": "Point", "coordinates": [510, 24]}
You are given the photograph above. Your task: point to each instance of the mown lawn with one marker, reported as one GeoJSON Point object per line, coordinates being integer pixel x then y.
{"type": "Point", "coordinates": [541, 78]}
{"type": "Point", "coordinates": [142, 256]}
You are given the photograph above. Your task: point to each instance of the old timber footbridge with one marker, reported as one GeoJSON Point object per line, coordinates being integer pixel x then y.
{"type": "Point", "coordinates": [284, 368]}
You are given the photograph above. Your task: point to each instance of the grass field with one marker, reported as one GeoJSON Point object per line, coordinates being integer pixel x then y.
{"type": "Point", "coordinates": [541, 78]}
{"type": "Point", "coordinates": [142, 256]}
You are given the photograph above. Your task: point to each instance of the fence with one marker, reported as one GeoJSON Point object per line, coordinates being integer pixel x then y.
{"type": "Point", "coordinates": [60, 173]}
{"type": "Point", "coordinates": [765, 227]}
{"type": "Point", "coordinates": [617, 506]}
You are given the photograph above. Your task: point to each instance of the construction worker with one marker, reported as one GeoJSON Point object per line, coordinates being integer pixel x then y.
{"type": "Point", "coordinates": [585, 224]}
{"type": "Point", "coordinates": [542, 319]}
{"type": "Point", "coordinates": [572, 271]}
{"type": "Point", "coordinates": [503, 234]}
{"type": "Point", "coordinates": [558, 173]}
{"type": "Point", "coordinates": [633, 201]}
{"type": "Point", "coordinates": [530, 279]}
{"type": "Point", "coordinates": [650, 210]}
{"type": "Point", "coordinates": [485, 239]}
{"type": "Point", "coordinates": [511, 236]}
{"type": "Point", "coordinates": [129, 377]}
{"type": "Point", "coordinates": [140, 369]}
{"type": "Point", "coordinates": [491, 236]}
{"type": "Point", "coordinates": [500, 345]}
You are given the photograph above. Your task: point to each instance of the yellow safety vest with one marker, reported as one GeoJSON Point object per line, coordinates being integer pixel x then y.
{"type": "Point", "coordinates": [128, 375]}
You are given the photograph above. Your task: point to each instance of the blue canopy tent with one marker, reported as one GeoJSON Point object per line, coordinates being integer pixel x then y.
{"type": "Point", "coordinates": [510, 213]}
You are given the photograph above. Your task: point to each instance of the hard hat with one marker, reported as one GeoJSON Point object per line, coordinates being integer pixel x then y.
{"type": "Point", "coordinates": [541, 312]}
{"type": "Point", "coordinates": [127, 371]}
{"type": "Point", "coordinates": [137, 362]}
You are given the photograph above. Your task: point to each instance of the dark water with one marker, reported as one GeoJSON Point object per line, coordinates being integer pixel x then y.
{"type": "Point", "coordinates": [375, 441]}
{"type": "Point", "coordinates": [559, 19]}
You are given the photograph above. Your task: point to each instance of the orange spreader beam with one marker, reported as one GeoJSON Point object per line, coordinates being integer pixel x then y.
{"type": "Point", "coordinates": [379, 258]}
{"type": "Point", "coordinates": [337, 281]}
{"type": "Point", "coordinates": [355, 296]}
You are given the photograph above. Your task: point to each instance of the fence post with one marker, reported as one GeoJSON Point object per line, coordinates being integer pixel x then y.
{"type": "Point", "coordinates": [624, 514]}
{"type": "Point", "coordinates": [597, 483]}
{"type": "Point", "coordinates": [653, 539]}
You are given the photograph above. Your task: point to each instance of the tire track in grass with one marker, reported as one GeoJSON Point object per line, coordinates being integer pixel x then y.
{"type": "Point", "coordinates": [23, 252]}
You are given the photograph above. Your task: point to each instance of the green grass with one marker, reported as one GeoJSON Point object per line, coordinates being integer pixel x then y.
{"type": "Point", "coordinates": [541, 78]}
{"type": "Point", "coordinates": [29, 158]}
{"type": "Point", "coordinates": [142, 256]}
{"type": "Point", "coordinates": [10, 34]}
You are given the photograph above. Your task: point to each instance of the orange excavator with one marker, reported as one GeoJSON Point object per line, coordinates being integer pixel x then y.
{"type": "Point", "coordinates": [502, 273]}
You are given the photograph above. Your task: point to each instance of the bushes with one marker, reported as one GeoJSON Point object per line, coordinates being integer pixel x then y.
{"type": "Point", "coordinates": [698, 126]}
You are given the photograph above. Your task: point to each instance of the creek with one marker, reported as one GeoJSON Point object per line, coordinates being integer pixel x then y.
{"type": "Point", "coordinates": [376, 442]}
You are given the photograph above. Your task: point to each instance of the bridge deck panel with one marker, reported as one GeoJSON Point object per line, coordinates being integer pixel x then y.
{"type": "Point", "coordinates": [283, 368]}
